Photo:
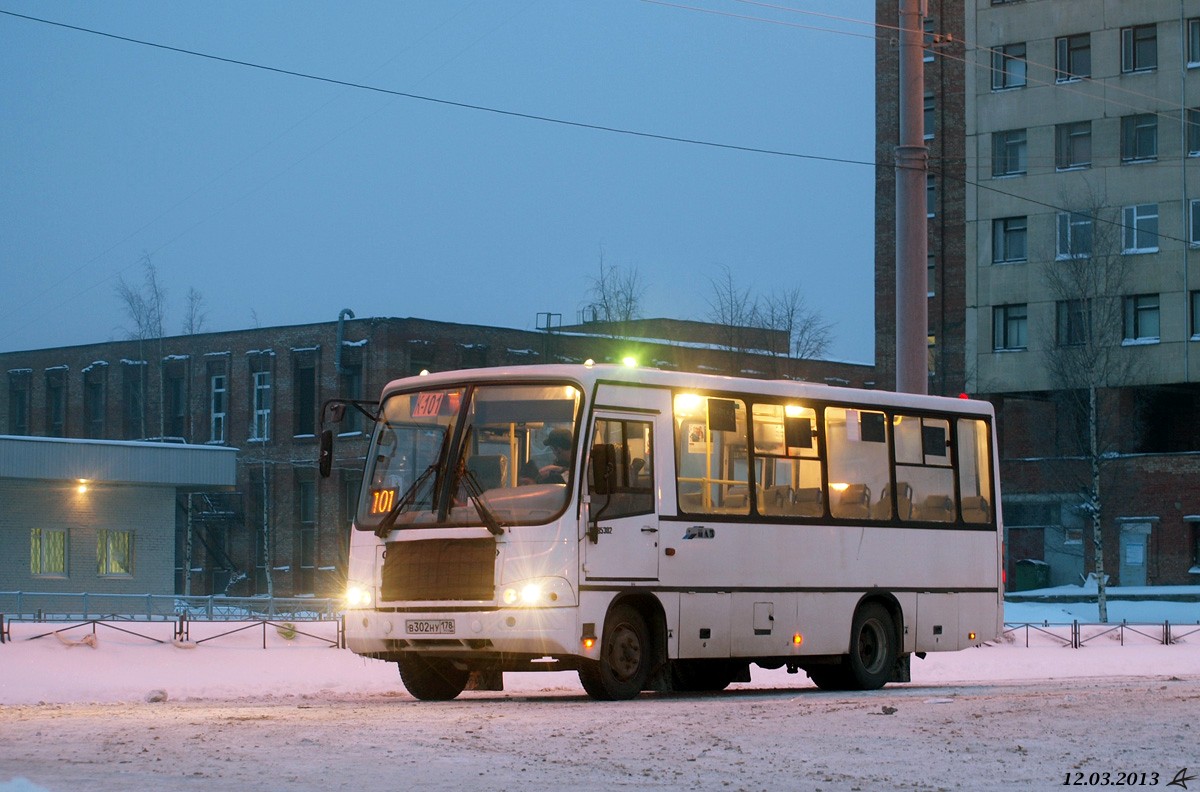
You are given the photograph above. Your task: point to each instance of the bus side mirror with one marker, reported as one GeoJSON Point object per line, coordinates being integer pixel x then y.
{"type": "Point", "coordinates": [325, 457]}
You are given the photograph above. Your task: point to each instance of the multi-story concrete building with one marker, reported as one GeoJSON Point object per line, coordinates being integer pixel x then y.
{"type": "Point", "coordinates": [283, 530]}
{"type": "Point", "coordinates": [1081, 287]}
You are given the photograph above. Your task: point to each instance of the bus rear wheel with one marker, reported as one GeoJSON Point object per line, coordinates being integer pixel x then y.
{"type": "Point", "coordinates": [625, 657]}
{"type": "Point", "coordinates": [432, 678]}
{"type": "Point", "coordinates": [873, 652]}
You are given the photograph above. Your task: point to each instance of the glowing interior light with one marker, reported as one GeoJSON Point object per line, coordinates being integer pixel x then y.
{"type": "Point", "coordinates": [83, 486]}
{"type": "Point", "coordinates": [793, 410]}
{"type": "Point", "coordinates": [840, 486]}
{"type": "Point", "coordinates": [687, 402]}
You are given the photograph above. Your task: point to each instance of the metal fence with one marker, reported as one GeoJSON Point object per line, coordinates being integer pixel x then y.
{"type": "Point", "coordinates": [51, 606]}
{"type": "Point", "coordinates": [1077, 634]}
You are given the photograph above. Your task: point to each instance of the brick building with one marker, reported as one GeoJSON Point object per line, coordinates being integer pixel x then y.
{"type": "Point", "coordinates": [1063, 233]}
{"type": "Point", "coordinates": [283, 530]}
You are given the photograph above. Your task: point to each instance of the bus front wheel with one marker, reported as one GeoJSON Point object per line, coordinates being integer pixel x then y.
{"type": "Point", "coordinates": [432, 679]}
{"type": "Point", "coordinates": [625, 657]}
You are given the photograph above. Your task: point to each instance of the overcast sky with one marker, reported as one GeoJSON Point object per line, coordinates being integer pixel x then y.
{"type": "Point", "coordinates": [284, 199]}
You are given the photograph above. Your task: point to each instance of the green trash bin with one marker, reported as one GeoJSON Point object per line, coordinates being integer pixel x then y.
{"type": "Point", "coordinates": [1032, 574]}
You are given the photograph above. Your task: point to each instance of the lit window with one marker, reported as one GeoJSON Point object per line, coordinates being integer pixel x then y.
{"type": "Point", "coordinates": [48, 552]}
{"type": "Point", "coordinates": [114, 553]}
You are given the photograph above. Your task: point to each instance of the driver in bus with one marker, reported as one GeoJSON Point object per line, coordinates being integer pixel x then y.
{"type": "Point", "coordinates": [559, 443]}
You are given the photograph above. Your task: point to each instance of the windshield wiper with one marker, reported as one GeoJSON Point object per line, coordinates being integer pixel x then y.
{"type": "Point", "coordinates": [388, 521]}
{"type": "Point", "coordinates": [474, 491]}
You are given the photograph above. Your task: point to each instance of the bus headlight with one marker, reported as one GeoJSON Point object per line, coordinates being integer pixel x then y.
{"type": "Point", "coordinates": [539, 592]}
{"type": "Point", "coordinates": [357, 596]}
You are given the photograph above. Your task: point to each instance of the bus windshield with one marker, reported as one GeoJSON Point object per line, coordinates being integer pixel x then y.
{"type": "Point", "coordinates": [490, 454]}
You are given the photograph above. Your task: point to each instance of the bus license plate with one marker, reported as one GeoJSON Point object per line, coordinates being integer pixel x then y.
{"type": "Point", "coordinates": [429, 626]}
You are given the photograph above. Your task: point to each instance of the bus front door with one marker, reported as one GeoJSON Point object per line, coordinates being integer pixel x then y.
{"type": "Point", "coordinates": [621, 534]}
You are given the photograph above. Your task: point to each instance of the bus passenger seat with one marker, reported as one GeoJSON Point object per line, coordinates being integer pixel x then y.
{"type": "Point", "coordinates": [975, 509]}
{"type": "Point", "coordinates": [775, 500]}
{"type": "Point", "coordinates": [855, 502]}
{"type": "Point", "coordinates": [937, 508]}
{"type": "Point", "coordinates": [808, 502]}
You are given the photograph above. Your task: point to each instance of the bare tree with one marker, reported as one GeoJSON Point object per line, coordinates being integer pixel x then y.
{"type": "Point", "coordinates": [809, 333]}
{"type": "Point", "coordinates": [194, 313]}
{"type": "Point", "coordinates": [734, 310]}
{"type": "Point", "coordinates": [144, 304]}
{"type": "Point", "coordinates": [1085, 360]}
{"type": "Point", "coordinates": [616, 296]}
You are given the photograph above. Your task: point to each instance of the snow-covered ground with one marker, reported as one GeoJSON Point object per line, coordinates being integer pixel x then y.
{"type": "Point", "coordinates": [82, 704]}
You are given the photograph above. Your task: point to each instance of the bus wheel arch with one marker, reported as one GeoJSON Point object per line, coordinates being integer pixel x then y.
{"type": "Point", "coordinates": [632, 649]}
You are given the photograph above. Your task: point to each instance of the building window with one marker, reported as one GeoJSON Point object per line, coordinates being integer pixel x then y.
{"type": "Point", "coordinates": [1010, 327]}
{"type": "Point", "coordinates": [18, 403]}
{"type": "Point", "coordinates": [304, 397]}
{"type": "Point", "coordinates": [1141, 317]}
{"type": "Point", "coordinates": [1139, 48]}
{"type": "Point", "coordinates": [218, 407]}
{"type": "Point", "coordinates": [1073, 145]}
{"type": "Point", "coordinates": [94, 404]}
{"type": "Point", "coordinates": [1139, 137]}
{"type": "Point", "coordinates": [56, 403]}
{"type": "Point", "coordinates": [929, 39]}
{"type": "Point", "coordinates": [1008, 152]}
{"type": "Point", "coordinates": [931, 275]}
{"type": "Point", "coordinates": [1073, 320]}
{"type": "Point", "coordinates": [1009, 236]}
{"type": "Point", "coordinates": [114, 553]}
{"type": "Point", "coordinates": [930, 116]}
{"type": "Point", "coordinates": [1008, 66]}
{"type": "Point", "coordinates": [1074, 236]}
{"type": "Point", "coordinates": [1073, 57]}
{"type": "Point", "coordinates": [1193, 132]}
{"type": "Point", "coordinates": [930, 195]}
{"type": "Point", "coordinates": [133, 393]}
{"type": "Point", "coordinates": [260, 427]}
{"type": "Point", "coordinates": [306, 519]}
{"type": "Point", "coordinates": [48, 552]}
{"type": "Point", "coordinates": [1139, 228]}
{"type": "Point", "coordinates": [1193, 43]}
{"type": "Point", "coordinates": [175, 402]}
{"type": "Point", "coordinates": [1195, 315]}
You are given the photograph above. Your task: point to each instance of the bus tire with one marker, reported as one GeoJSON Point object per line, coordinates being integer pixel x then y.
{"type": "Point", "coordinates": [873, 648]}
{"type": "Point", "coordinates": [626, 654]}
{"type": "Point", "coordinates": [432, 678]}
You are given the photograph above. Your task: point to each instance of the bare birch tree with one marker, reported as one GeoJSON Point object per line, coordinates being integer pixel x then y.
{"type": "Point", "coordinates": [1085, 359]}
{"type": "Point", "coordinates": [194, 313]}
{"type": "Point", "coordinates": [144, 304]}
{"type": "Point", "coordinates": [616, 296]}
{"type": "Point", "coordinates": [809, 333]}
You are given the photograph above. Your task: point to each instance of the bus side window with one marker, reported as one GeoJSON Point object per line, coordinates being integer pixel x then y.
{"type": "Point", "coordinates": [974, 470]}
{"type": "Point", "coordinates": [923, 460]}
{"type": "Point", "coordinates": [631, 477]}
{"type": "Point", "coordinates": [714, 471]}
{"type": "Point", "coordinates": [787, 464]}
{"type": "Point", "coordinates": [858, 462]}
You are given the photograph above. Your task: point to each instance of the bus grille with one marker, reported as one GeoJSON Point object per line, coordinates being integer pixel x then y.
{"type": "Point", "coordinates": [439, 569]}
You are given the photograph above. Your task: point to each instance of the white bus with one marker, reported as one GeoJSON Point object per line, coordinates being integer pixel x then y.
{"type": "Point", "coordinates": [659, 530]}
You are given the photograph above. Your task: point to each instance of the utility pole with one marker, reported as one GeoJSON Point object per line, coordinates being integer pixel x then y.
{"type": "Point", "coordinates": [912, 164]}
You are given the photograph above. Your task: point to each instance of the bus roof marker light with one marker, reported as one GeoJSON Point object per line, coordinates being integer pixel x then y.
{"type": "Point", "coordinates": [589, 363]}
{"type": "Point", "coordinates": [629, 361]}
